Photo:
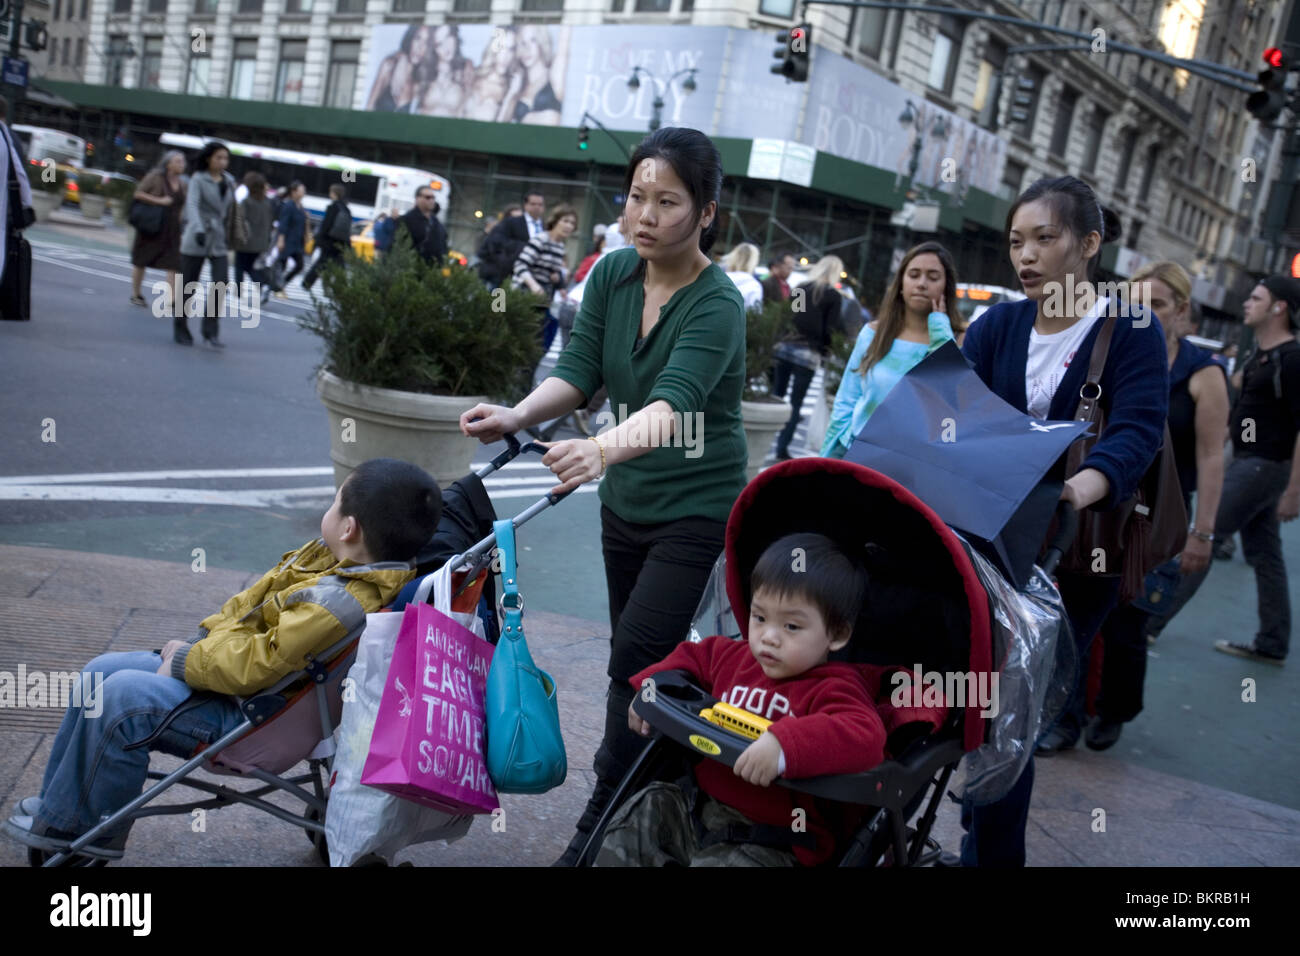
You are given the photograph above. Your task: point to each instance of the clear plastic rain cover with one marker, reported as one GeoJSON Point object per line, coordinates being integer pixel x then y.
{"type": "Point", "coordinates": [1035, 657]}
{"type": "Point", "coordinates": [713, 614]}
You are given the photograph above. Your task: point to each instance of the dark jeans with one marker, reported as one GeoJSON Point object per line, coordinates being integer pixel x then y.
{"type": "Point", "coordinates": [299, 260]}
{"type": "Point", "coordinates": [802, 378]}
{"type": "Point", "coordinates": [995, 833]}
{"type": "Point", "coordinates": [1251, 489]}
{"type": "Point", "coordinates": [655, 575]}
{"type": "Point", "coordinates": [244, 264]}
{"type": "Point", "coordinates": [1124, 664]}
{"type": "Point", "coordinates": [329, 253]}
{"type": "Point", "coordinates": [191, 270]}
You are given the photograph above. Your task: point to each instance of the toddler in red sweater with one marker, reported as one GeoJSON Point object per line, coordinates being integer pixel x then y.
{"type": "Point", "coordinates": [806, 598]}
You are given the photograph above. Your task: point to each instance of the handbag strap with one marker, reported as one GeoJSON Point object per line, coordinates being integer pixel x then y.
{"type": "Point", "coordinates": [1089, 399]}
{"type": "Point", "coordinates": [15, 194]}
{"type": "Point", "coordinates": [512, 602]}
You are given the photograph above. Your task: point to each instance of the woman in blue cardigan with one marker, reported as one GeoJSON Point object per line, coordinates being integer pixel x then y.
{"type": "Point", "coordinates": [1035, 355]}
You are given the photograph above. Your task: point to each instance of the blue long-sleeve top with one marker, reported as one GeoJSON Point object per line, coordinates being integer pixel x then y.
{"type": "Point", "coordinates": [1134, 387]}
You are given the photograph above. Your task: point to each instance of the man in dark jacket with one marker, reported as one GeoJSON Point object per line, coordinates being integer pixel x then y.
{"type": "Point", "coordinates": [428, 235]}
{"type": "Point", "coordinates": [501, 248]}
{"type": "Point", "coordinates": [776, 288]}
{"type": "Point", "coordinates": [334, 234]}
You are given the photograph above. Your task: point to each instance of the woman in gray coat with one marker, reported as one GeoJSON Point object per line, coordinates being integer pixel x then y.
{"type": "Point", "coordinates": [207, 208]}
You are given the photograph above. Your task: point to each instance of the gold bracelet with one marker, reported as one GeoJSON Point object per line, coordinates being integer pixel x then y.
{"type": "Point", "coordinates": [602, 453]}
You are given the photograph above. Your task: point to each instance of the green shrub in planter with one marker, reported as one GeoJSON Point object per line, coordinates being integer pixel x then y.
{"type": "Point", "coordinates": [764, 328]}
{"type": "Point", "coordinates": [49, 179]}
{"type": "Point", "coordinates": [841, 349]}
{"type": "Point", "coordinates": [399, 323]}
{"type": "Point", "coordinates": [119, 189]}
{"type": "Point", "coordinates": [90, 183]}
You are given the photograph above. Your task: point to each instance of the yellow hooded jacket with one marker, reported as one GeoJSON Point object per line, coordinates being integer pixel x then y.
{"type": "Point", "coordinates": [302, 606]}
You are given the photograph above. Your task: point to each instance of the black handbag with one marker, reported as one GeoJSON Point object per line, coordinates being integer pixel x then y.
{"type": "Point", "coordinates": [16, 283]}
{"type": "Point", "coordinates": [147, 218]}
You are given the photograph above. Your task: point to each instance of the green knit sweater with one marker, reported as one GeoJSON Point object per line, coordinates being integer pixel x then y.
{"type": "Point", "coordinates": [693, 359]}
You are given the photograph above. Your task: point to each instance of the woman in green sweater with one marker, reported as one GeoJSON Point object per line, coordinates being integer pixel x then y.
{"type": "Point", "coordinates": [663, 328]}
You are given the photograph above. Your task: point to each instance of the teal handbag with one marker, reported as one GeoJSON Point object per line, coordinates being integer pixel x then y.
{"type": "Point", "coordinates": [525, 751]}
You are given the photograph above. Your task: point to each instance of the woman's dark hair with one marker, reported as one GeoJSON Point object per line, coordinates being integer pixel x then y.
{"type": "Point", "coordinates": [812, 566]}
{"type": "Point", "coordinates": [891, 317]}
{"type": "Point", "coordinates": [409, 37]}
{"type": "Point", "coordinates": [397, 505]}
{"type": "Point", "coordinates": [697, 163]}
{"type": "Point", "coordinates": [210, 149]}
{"type": "Point", "coordinates": [293, 188]}
{"type": "Point", "coordinates": [256, 184]}
{"type": "Point", "coordinates": [1075, 207]}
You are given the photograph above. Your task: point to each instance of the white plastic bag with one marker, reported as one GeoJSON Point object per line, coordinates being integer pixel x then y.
{"type": "Point", "coordinates": [360, 820]}
{"type": "Point", "coordinates": [817, 424]}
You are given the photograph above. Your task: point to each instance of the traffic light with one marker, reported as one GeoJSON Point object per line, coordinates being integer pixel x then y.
{"type": "Point", "coordinates": [1022, 100]}
{"type": "Point", "coordinates": [1268, 101]}
{"type": "Point", "coordinates": [1295, 266]}
{"type": "Point", "coordinates": [793, 49]}
{"type": "Point", "coordinates": [35, 35]}
{"type": "Point", "coordinates": [582, 137]}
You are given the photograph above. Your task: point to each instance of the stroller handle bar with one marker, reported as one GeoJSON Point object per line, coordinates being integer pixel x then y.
{"type": "Point", "coordinates": [513, 449]}
{"type": "Point", "coordinates": [1067, 525]}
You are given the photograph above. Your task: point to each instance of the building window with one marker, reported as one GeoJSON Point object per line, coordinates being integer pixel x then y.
{"type": "Point", "coordinates": [242, 65]}
{"type": "Point", "coordinates": [67, 51]}
{"type": "Point", "coordinates": [470, 6]}
{"type": "Point", "coordinates": [196, 74]}
{"type": "Point", "coordinates": [81, 51]}
{"type": "Point", "coordinates": [1148, 174]}
{"type": "Point", "coordinates": [988, 88]}
{"type": "Point", "coordinates": [54, 55]}
{"type": "Point", "coordinates": [1092, 148]}
{"type": "Point", "coordinates": [411, 6]}
{"type": "Point", "coordinates": [250, 6]}
{"type": "Point", "coordinates": [85, 6]}
{"type": "Point", "coordinates": [542, 6]}
{"type": "Point", "coordinates": [947, 50]}
{"type": "Point", "coordinates": [1134, 234]}
{"type": "Point", "coordinates": [1126, 158]}
{"type": "Point", "coordinates": [151, 64]}
{"type": "Point", "coordinates": [155, 6]}
{"type": "Point", "coordinates": [297, 6]}
{"type": "Point", "coordinates": [1064, 119]}
{"type": "Point", "coordinates": [771, 8]}
{"type": "Point", "coordinates": [350, 6]}
{"type": "Point", "coordinates": [663, 6]}
{"type": "Point", "coordinates": [58, 5]}
{"type": "Point", "coordinates": [293, 60]}
{"type": "Point", "coordinates": [342, 77]}
{"type": "Point", "coordinates": [1013, 174]}
{"type": "Point", "coordinates": [121, 6]}
{"type": "Point", "coordinates": [205, 6]}
{"type": "Point", "coordinates": [1027, 95]}
{"type": "Point", "coordinates": [871, 31]}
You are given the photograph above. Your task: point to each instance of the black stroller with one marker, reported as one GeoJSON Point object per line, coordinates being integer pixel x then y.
{"type": "Point", "coordinates": [933, 609]}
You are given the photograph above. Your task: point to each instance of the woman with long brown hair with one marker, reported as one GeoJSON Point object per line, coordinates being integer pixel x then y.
{"type": "Point", "coordinates": [918, 314]}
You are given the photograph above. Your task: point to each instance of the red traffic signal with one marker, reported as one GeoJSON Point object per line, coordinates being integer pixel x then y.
{"type": "Point", "coordinates": [1274, 58]}
{"type": "Point", "coordinates": [1295, 266]}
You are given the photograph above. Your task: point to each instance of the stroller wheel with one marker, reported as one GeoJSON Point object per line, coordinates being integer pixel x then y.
{"type": "Point", "coordinates": [37, 857]}
{"type": "Point", "coordinates": [318, 839]}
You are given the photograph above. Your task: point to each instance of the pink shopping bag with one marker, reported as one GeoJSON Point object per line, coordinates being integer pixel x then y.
{"type": "Point", "coordinates": [427, 744]}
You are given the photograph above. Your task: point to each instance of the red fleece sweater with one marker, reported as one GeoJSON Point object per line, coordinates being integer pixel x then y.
{"type": "Point", "coordinates": [825, 720]}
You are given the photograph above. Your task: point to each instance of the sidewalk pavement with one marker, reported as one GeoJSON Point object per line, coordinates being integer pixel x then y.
{"type": "Point", "coordinates": [60, 608]}
{"type": "Point", "coordinates": [68, 227]}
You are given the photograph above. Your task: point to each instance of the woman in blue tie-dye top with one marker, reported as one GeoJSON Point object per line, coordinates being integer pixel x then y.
{"type": "Point", "coordinates": [919, 314]}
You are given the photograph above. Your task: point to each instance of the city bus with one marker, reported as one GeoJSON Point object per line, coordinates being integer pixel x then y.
{"type": "Point", "coordinates": [39, 143]}
{"type": "Point", "coordinates": [373, 188]}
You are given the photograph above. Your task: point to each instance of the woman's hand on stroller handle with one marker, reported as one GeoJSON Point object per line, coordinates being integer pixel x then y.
{"type": "Point", "coordinates": [575, 461]}
{"type": "Point", "coordinates": [760, 764]}
{"type": "Point", "coordinates": [637, 725]}
{"type": "Point", "coordinates": [489, 423]}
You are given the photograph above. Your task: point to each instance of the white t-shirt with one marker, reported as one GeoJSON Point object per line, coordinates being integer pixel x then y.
{"type": "Point", "coordinates": [1050, 357]}
{"type": "Point", "coordinates": [751, 290]}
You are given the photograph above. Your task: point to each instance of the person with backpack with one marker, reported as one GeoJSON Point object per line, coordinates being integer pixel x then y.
{"type": "Point", "coordinates": [258, 213]}
{"type": "Point", "coordinates": [334, 234]}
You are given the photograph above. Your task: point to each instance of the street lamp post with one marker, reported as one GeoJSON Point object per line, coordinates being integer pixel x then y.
{"type": "Point", "coordinates": [634, 82]}
{"type": "Point", "coordinates": [902, 218]}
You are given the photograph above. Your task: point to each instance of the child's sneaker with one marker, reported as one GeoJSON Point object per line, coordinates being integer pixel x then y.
{"type": "Point", "coordinates": [26, 830]}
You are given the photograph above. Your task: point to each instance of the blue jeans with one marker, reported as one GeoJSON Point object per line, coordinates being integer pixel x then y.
{"type": "Point", "coordinates": [89, 775]}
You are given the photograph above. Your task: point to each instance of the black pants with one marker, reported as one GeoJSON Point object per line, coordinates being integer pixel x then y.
{"type": "Point", "coordinates": [191, 271]}
{"type": "Point", "coordinates": [802, 378]}
{"type": "Point", "coordinates": [299, 258]}
{"type": "Point", "coordinates": [244, 264]}
{"type": "Point", "coordinates": [1124, 664]}
{"type": "Point", "coordinates": [655, 575]}
{"type": "Point", "coordinates": [329, 253]}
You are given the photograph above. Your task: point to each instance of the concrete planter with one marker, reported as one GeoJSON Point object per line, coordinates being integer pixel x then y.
{"type": "Point", "coordinates": [368, 422]}
{"type": "Point", "coordinates": [763, 421]}
{"type": "Point", "coordinates": [45, 202]}
{"type": "Point", "coordinates": [92, 207]}
{"type": "Point", "coordinates": [121, 211]}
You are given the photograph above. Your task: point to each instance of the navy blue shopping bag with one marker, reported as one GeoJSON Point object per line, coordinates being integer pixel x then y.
{"type": "Point", "coordinates": [975, 460]}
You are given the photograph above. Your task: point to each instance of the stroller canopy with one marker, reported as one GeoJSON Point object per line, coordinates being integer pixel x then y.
{"type": "Point", "coordinates": [925, 604]}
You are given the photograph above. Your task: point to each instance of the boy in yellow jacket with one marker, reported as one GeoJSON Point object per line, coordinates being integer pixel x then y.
{"type": "Point", "coordinates": [383, 514]}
